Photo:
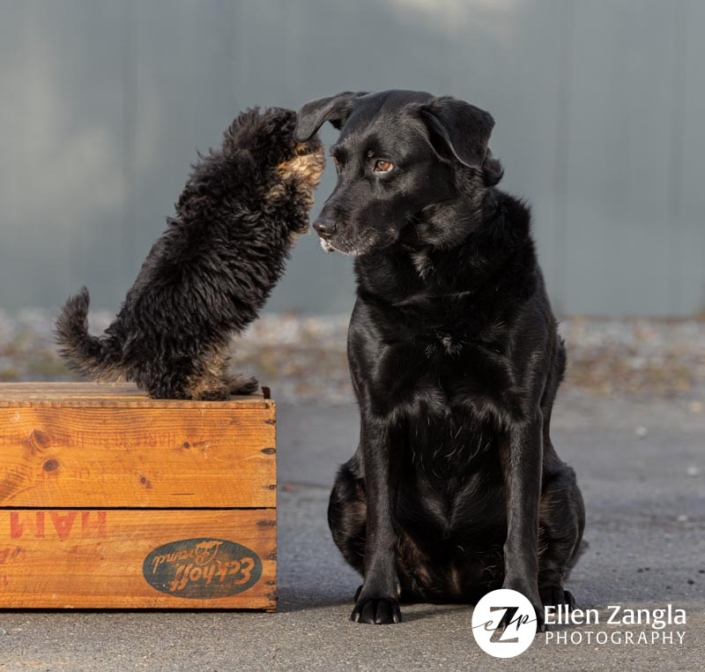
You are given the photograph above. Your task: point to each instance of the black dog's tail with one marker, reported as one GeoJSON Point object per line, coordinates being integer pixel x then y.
{"type": "Point", "coordinates": [88, 355]}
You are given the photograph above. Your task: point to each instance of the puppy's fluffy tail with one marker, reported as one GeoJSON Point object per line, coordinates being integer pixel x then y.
{"type": "Point", "coordinates": [88, 355]}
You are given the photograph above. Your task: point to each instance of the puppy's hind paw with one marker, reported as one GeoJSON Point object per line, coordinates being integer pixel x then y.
{"type": "Point", "coordinates": [212, 394]}
{"type": "Point", "coordinates": [241, 385]}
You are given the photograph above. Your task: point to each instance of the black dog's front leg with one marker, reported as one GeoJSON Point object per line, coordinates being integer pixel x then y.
{"type": "Point", "coordinates": [522, 460]}
{"type": "Point", "coordinates": [377, 600]}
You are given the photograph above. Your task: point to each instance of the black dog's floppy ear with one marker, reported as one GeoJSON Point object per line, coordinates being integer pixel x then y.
{"type": "Point", "coordinates": [463, 128]}
{"type": "Point", "coordinates": [315, 113]}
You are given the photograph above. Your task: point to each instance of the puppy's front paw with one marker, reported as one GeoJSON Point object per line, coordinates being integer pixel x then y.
{"type": "Point", "coordinates": [376, 610]}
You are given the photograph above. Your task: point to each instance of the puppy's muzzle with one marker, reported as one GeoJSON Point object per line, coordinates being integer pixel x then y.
{"type": "Point", "coordinates": [325, 227]}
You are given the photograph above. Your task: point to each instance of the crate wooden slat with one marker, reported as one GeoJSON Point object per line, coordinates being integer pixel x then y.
{"type": "Point", "coordinates": [94, 478]}
{"type": "Point", "coordinates": [77, 455]}
{"type": "Point", "coordinates": [124, 395]}
{"type": "Point", "coordinates": [86, 558]}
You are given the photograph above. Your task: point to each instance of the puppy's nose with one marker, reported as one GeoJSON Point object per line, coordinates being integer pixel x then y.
{"type": "Point", "coordinates": [324, 227]}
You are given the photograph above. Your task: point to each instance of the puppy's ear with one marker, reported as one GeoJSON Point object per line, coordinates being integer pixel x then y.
{"type": "Point", "coordinates": [315, 113]}
{"type": "Point", "coordinates": [460, 128]}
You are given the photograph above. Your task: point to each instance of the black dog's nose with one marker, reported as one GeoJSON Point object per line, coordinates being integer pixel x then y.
{"type": "Point", "coordinates": [324, 227]}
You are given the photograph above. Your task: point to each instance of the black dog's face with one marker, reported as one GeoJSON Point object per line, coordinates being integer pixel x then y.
{"type": "Point", "coordinates": [388, 172]}
{"type": "Point", "coordinates": [397, 159]}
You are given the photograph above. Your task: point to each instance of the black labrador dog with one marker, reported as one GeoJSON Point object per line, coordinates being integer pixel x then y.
{"type": "Point", "coordinates": [455, 488]}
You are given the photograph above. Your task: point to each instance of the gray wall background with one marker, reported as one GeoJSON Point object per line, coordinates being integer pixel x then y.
{"type": "Point", "coordinates": [599, 107]}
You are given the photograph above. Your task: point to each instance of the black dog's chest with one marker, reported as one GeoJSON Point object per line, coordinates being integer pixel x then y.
{"type": "Point", "coordinates": [448, 380]}
{"type": "Point", "coordinates": [451, 478]}
{"type": "Point", "coordinates": [450, 399]}
{"type": "Point", "coordinates": [446, 446]}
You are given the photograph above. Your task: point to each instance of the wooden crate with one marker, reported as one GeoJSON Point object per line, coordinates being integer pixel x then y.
{"type": "Point", "coordinates": [109, 499]}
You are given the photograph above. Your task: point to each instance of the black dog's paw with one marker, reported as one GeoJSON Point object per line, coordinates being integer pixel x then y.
{"type": "Point", "coordinates": [555, 596]}
{"type": "Point", "coordinates": [506, 622]}
{"type": "Point", "coordinates": [540, 624]}
{"type": "Point", "coordinates": [540, 614]}
{"type": "Point", "coordinates": [533, 596]}
{"type": "Point", "coordinates": [376, 610]}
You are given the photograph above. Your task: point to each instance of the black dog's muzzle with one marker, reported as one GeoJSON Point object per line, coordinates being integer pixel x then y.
{"type": "Point", "coordinates": [325, 227]}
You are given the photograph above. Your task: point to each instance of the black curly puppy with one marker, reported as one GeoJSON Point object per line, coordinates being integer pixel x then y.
{"type": "Point", "coordinates": [212, 270]}
{"type": "Point", "coordinates": [455, 488]}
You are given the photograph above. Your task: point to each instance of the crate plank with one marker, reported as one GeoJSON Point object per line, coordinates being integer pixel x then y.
{"type": "Point", "coordinates": [115, 456]}
{"type": "Point", "coordinates": [125, 395]}
{"type": "Point", "coordinates": [113, 558]}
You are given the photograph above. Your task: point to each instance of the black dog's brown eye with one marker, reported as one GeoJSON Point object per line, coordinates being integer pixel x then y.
{"type": "Point", "coordinates": [382, 166]}
{"type": "Point", "coordinates": [336, 161]}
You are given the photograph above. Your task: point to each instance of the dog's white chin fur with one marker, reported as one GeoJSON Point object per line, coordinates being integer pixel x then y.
{"type": "Point", "coordinates": [326, 246]}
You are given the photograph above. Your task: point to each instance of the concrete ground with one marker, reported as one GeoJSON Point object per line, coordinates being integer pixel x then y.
{"type": "Point", "coordinates": [641, 466]}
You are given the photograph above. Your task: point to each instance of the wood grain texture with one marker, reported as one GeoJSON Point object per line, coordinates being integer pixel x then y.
{"type": "Point", "coordinates": [112, 395]}
{"type": "Point", "coordinates": [74, 454]}
{"type": "Point", "coordinates": [96, 559]}
{"type": "Point", "coordinates": [65, 457]}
